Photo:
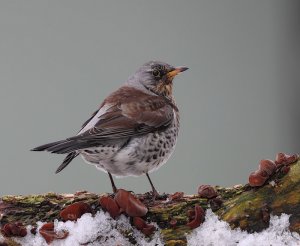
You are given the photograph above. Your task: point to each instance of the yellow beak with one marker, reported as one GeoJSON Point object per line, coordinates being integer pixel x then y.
{"type": "Point", "coordinates": [176, 71]}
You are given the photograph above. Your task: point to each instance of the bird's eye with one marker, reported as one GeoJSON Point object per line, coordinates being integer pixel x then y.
{"type": "Point", "coordinates": [156, 73]}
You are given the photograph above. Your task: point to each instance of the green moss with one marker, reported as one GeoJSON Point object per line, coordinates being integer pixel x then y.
{"type": "Point", "coordinates": [241, 208]}
{"type": "Point", "coordinates": [179, 233]}
{"type": "Point", "coordinates": [244, 209]}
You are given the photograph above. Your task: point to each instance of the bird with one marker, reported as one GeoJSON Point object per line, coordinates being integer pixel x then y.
{"type": "Point", "coordinates": [135, 129]}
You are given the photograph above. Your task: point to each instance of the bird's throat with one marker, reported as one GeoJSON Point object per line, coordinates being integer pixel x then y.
{"type": "Point", "coordinates": [164, 89]}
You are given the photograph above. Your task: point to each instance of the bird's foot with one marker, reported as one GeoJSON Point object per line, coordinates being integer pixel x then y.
{"type": "Point", "coordinates": [156, 196]}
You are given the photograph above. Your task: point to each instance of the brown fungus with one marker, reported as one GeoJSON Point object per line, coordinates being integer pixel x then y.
{"type": "Point", "coordinates": [110, 205]}
{"type": "Point", "coordinates": [14, 230]}
{"type": "Point", "coordinates": [139, 223]}
{"type": "Point", "coordinates": [48, 233]}
{"type": "Point", "coordinates": [131, 205]}
{"type": "Point", "coordinates": [112, 208]}
{"type": "Point", "coordinates": [142, 226]}
{"type": "Point", "coordinates": [103, 201]}
{"type": "Point", "coordinates": [280, 159]}
{"type": "Point", "coordinates": [176, 196]}
{"type": "Point", "coordinates": [199, 217]}
{"type": "Point", "coordinates": [292, 158]}
{"type": "Point", "coordinates": [284, 159]}
{"type": "Point", "coordinates": [75, 211]}
{"type": "Point", "coordinates": [148, 230]}
{"type": "Point", "coordinates": [265, 170]}
{"type": "Point", "coordinates": [258, 178]}
{"type": "Point", "coordinates": [191, 214]}
{"type": "Point", "coordinates": [267, 166]}
{"type": "Point", "coordinates": [207, 191]}
{"type": "Point", "coordinates": [285, 169]}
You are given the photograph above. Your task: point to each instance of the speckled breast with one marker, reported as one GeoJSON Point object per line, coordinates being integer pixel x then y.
{"type": "Point", "coordinates": [141, 154]}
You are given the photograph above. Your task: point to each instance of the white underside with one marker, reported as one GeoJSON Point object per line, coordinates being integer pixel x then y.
{"type": "Point", "coordinates": [115, 162]}
{"type": "Point", "coordinates": [119, 168]}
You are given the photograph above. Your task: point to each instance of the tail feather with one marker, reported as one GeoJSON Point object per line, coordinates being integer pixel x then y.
{"type": "Point", "coordinates": [62, 147]}
{"type": "Point", "coordinates": [66, 161]}
{"type": "Point", "coordinates": [46, 147]}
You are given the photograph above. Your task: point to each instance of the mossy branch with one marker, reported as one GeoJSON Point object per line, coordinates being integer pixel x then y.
{"type": "Point", "coordinates": [243, 206]}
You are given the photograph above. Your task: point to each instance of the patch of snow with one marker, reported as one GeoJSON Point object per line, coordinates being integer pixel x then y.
{"type": "Point", "coordinates": [90, 230]}
{"type": "Point", "coordinates": [216, 232]}
{"type": "Point", "coordinates": [101, 229]}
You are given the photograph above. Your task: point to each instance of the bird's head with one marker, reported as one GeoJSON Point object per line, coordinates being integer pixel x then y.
{"type": "Point", "coordinates": [157, 77]}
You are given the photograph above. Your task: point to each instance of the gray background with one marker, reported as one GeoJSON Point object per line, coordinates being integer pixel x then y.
{"type": "Point", "coordinates": [239, 101]}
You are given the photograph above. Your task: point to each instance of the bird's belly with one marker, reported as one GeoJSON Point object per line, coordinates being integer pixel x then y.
{"type": "Point", "coordinates": [144, 154]}
{"type": "Point", "coordinates": [141, 155]}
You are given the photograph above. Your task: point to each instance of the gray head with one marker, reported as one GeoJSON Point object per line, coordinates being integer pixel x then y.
{"type": "Point", "coordinates": [157, 77]}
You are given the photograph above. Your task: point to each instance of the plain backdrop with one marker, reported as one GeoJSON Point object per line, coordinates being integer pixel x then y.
{"type": "Point", "coordinates": [239, 101]}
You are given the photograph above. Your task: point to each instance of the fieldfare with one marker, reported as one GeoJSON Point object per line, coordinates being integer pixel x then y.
{"type": "Point", "coordinates": [135, 129]}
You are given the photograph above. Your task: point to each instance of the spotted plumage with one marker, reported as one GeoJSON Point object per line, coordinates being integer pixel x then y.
{"type": "Point", "coordinates": [135, 129]}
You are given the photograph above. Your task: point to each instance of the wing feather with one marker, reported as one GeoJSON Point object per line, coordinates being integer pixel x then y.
{"type": "Point", "coordinates": [128, 113]}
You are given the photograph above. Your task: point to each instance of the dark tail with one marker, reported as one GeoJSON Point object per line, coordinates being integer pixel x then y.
{"type": "Point", "coordinates": [66, 161]}
{"type": "Point", "coordinates": [61, 147]}
{"type": "Point", "coordinates": [64, 146]}
{"type": "Point", "coordinates": [48, 147]}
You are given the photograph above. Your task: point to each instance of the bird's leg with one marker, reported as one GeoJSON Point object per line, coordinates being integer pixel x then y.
{"type": "Point", "coordinates": [154, 191]}
{"type": "Point", "coordinates": [112, 183]}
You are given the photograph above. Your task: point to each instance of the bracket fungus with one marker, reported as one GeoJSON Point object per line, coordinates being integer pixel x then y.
{"type": "Point", "coordinates": [284, 159]}
{"type": "Point", "coordinates": [75, 211]}
{"type": "Point", "coordinates": [207, 191]}
{"type": "Point", "coordinates": [14, 230]}
{"type": "Point", "coordinates": [110, 206]}
{"type": "Point", "coordinates": [131, 205]}
{"type": "Point", "coordinates": [176, 196]}
{"type": "Point", "coordinates": [265, 170]}
{"type": "Point", "coordinates": [199, 215]}
{"type": "Point", "coordinates": [48, 233]}
{"type": "Point", "coordinates": [142, 226]}
{"type": "Point", "coordinates": [268, 167]}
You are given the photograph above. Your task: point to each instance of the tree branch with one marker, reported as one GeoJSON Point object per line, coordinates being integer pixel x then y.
{"type": "Point", "coordinates": [243, 206]}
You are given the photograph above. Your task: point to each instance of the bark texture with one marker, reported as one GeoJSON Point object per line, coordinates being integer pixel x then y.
{"type": "Point", "coordinates": [243, 206]}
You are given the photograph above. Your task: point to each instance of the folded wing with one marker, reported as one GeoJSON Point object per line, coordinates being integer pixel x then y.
{"type": "Point", "coordinates": [129, 113]}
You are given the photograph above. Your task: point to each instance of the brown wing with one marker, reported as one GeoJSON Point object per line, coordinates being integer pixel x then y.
{"type": "Point", "coordinates": [132, 113]}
